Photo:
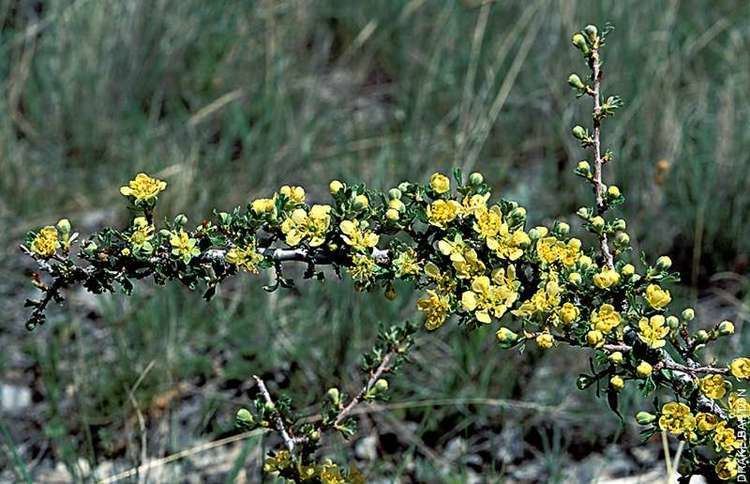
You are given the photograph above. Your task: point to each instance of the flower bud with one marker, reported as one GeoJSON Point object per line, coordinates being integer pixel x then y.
{"type": "Point", "coordinates": [613, 192]}
{"type": "Point", "coordinates": [391, 214]}
{"type": "Point", "coordinates": [616, 383]}
{"type": "Point", "coordinates": [673, 322]}
{"type": "Point", "coordinates": [394, 194]}
{"type": "Point", "coordinates": [63, 225]}
{"type": "Point", "coordinates": [592, 32]}
{"type": "Point", "coordinates": [404, 186]}
{"type": "Point", "coordinates": [663, 263]}
{"type": "Point", "coordinates": [584, 213]}
{"type": "Point", "coordinates": [381, 385]}
{"type": "Point", "coordinates": [583, 168]}
{"type": "Point", "coordinates": [537, 233]}
{"type": "Point", "coordinates": [628, 270]}
{"type": "Point", "coordinates": [580, 42]}
{"type": "Point", "coordinates": [644, 369]}
{"type": "Point", "coordinates": [645, 418]}
{"type": "Point", "coordinates": [575, 82]}
{"type": "Point", "coordinates": [619, 224]}
{"type": "Point", "coordinates": [594, 338]}
{"type": "Point", "coordinates": [726, 328]}
{"type": "Point", "coordinates": [585, 261]}
{"type": "Point", "coordinates": [563, 228]}
{"type": "Point", "coordinates": [622, 239]}
{"type": "Point", "coordinates": [361, 201]}
{"type": "Point", "coordinates": [476, 178]}
{"type": "Point", "coordinates": [335, 186]}
{"type": "Point", "coordinates": [396, 204]}
{"type": "Point", "coordinates": [579, 132]}
{"type": "Point", "coordinates": [616, 357]}
{"type": "Point", "coordinates": [506, 337]}
{"type": "Point", "coordinates": [545, 341]}
{"type": "Point", "coordinates": [702, 336]}
{"type": "Point", "coordinates": [334, 395]}
{"type": "Point", "coordinates": [575, 278]}
{"type": "Point", "coordinates": [244, 418]}
{"type": "Point", "coordinates": [688, 314]}
{"type": "Point", "coordinates": [517, 214]}
{"type": "Point", "coordinates": [597, 222]}
{"type": "Point", "coordinates": [584, 381]}
{"type": "Point", "coordinates": [180, 220]}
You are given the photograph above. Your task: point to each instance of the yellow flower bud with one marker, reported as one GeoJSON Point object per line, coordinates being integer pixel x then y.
{"type": "Point", "coordinates": [628, 270]}
{"type": "Point", "coordinates": [673, 322]}
{"type": "Point", "coordinates": [595, 338]}
{"type": "Point", "coordinates": [579, 41]}
{"type": "Point", "coordinates": [583, 168]}
{"type": "Point", "coordinates": [545, 341]}
{"type": "Point", "coordinates": [617, 383]}
{"type": "Point", "coordinates": [381, 385]}
{"type": "Point", "coordinates": [644, 369]}
{"type": "Point", "coordinates": [563, 228]}
{"type": "Point", "coordinates": [688, 314]}
{"type": "Point", "coordinates": [64, 226]}
{"type": "Point", "coordinates": [616, 357]}
{"type": "Point", "coordinates": [597, 222]}
{"type": "Point", "coordinates": [622, 239]}
{"type": "Point", "coordinates": [726, 328]}
{"type": "Point", "coordinates": [663, 263]}
{"type": "Point", "coordinates": [575, 82]}
{"type": "Point", "coordinates": [645, 418]}
{"type": "Point", "coordinates": [613, 192]}
{"type": "Point", "coordinates": [585, 261]}
{"type": "Point", "coordinates": [575, 278]}
{"type": "Point", "coordinates": [335, 186]}
{"type": "Point", "coordinates": [361, 201]}
{"type": "Point", "coordinates": [476, 178]}
{"type": "Point", "coordinates": [394, 194]}
{"type": "Point", "coordinates": [579, 132]}
{"type": "Point", "coordinates": [391, 214]}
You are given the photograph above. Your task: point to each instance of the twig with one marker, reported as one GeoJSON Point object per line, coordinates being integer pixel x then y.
{"type": "Point", "coordinates": [596, 78]}
{"type": "Point", "coordinates": [288, 440]}
{"type": "Point", "coordinates": [382, 368]}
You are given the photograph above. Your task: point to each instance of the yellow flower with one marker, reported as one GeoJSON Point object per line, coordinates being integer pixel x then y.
{"type": "Point", "coordinates": [475, 202]}
{"type": "Point", "coordinates": [569, 313]}
{"type": "Point", "coordinates": [312, 225]}
{"type": "Point", "coordinates": [486, 300]}
{"type": "Point", "coordinates": [706, 422]}
{"type": "Point", "coordinates": [606, 278]}
{"type": "Point", "coordinates": [488, 222]}
{"type": "Point", "coordinates": [358, 238]}
{"type": "Point", "coordinates": [617, 383]}
{"type": "Point", "coordinates": [653, 330]}
{"type": "Point", "coordinates": [142, 234]}
{"type": "Point", "coordinates": [143, 188]}
{"type": "Point", "coordinates": [183, 246]}
{"type": "Point", "coordinates": [543, 300]}
{"type": "Point", "coordinates": [657, 297]}
{"type": "Point", "coordinates": [570, 252]}
{"type": "Point", "coordinates": [726, 468]}
{"type": "Point", "coordinates": [246, 259]}
{"type": "Point", "coordinates": [506, 337]}
{"type": "Point", "coordinates": [296, 195]}
{"type": "Point", "coordinates": [45, 242]}
{"type": "Point", "coordinates": [739, 407]}
{"type": "Point", "coordinates": [436, 309]}
{"type": "Point", "coordinates": [605, 319]}
{"type": "Point", "coordinates": [453, 248]}
{"type": "Point", "coordinates": [362, 268]}
{"type": "Point", "coordinates": [740, 368]}
{"type": "Point", "coordinates": [440, 183]}
{"type": "Point", "coordinates": [595, 338]}
{"type": "Point", "coordinates": [545, 341]}
{"type": "Point", "coordinates": [406, 263]}
{"type": "Point", "coordinates": [676, 419]}
{"type": "Point", "coordinates": [548, 249]}
{"type": "Point", "coordinates": [329, 473]}
{"type": "Point", "coordinates": [470, 266]}
{"type": "Point", "coordinates": [713, 386]}
{"type": "Point", "coordinates": [442, 212]}
{"type": "Point", "coordinates": [280, 460]}
{"type": "Point", "coordinates": [725, 439]}
{"type": "Point", "coordinates": [263, 205]}
{"type": "Point", "coordinates": [508, 245]}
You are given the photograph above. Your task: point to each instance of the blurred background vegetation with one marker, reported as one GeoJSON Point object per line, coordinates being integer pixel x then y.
{"type": "Point", "coordinates": [227, 99]}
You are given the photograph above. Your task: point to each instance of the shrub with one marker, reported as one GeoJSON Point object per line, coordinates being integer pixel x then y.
{"type": "Point", "coordinates": [473, 259]}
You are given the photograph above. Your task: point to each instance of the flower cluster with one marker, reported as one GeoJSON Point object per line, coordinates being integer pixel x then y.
{"type": "Point", "coordinates": [472, 257]}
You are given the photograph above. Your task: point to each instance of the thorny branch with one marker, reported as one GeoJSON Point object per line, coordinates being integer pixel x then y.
{"type": "Point", "coordinates": [278, 420]}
